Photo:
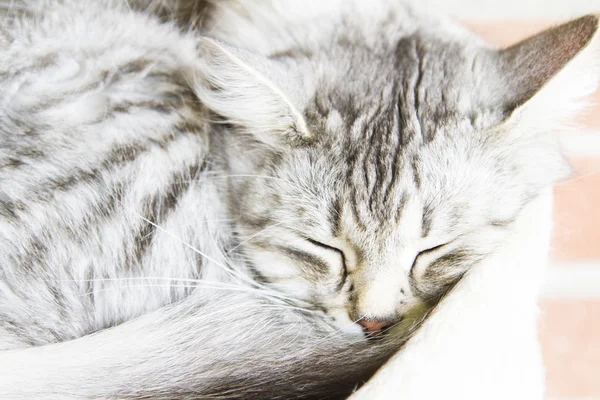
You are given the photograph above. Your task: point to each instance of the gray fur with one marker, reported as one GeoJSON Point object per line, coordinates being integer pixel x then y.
{"type": "Point", "coordinates": [150, 174]}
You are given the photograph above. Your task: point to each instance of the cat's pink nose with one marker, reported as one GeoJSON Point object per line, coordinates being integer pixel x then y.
{"type": "Point", "coordinates": [374, 327]}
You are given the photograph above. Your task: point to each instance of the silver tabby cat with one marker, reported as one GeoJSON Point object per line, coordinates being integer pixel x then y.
{"type": "Point", "coordinates": [239, 189]}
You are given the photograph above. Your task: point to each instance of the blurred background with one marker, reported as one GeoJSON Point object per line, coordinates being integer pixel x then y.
{"type": "Point", "coordinates": [570, 307]}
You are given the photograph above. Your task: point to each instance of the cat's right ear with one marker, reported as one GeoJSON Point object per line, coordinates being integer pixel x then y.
{"type": "Point", "coordinates": [544, 77]}
{"type": "Point", "coordinates": [251, 92]}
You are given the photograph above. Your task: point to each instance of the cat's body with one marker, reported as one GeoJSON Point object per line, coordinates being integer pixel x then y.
{"type": "Point", "coordinates": [196, 198]}
{"type": "Point", "coordinates": [134, 151]}
{"type": "Point", "coordinates": [80, 252]}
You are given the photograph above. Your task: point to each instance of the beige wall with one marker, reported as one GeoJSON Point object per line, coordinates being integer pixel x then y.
{"type": "Point", "coordinates": [513, 10]}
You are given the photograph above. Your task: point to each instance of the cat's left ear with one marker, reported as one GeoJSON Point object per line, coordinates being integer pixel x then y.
{"type": "Point", "coordinates": [252, 92]}
{"type": "Point", "coordinates": [545, 76]}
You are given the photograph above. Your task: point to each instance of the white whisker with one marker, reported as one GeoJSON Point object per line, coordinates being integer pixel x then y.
{"type": "Point", "coordinates": [253, 236]}
{"type": "Point", "coordinates": [198, 282]}
{"type": "Point", "coordinates": [227, 269]}
{"type": "Point", "coordinates": [208, 177]}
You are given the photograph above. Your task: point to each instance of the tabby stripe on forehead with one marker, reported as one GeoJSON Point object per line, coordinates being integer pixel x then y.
{"type": "Point", "coordinates": [380, 167]}
{"type": "Point", "coordinates": [353, 176]}
{"type": "Point", "coordinates": [157, 209]}
{"type": "Point", "coordinates": [373, 139]}
{"type": "Point", "coordinates": [420, 72]}
{"type": "Point", "coordinates": [380, 155]}
{"type": "Point", "coordinates": [396, 152]}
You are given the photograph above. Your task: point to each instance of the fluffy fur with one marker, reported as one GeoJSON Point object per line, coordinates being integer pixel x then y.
{"type": "Point", "coordinates": [180, 217]}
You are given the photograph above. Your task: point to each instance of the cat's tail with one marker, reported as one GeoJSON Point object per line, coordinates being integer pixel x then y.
{"type": "Point", "coordinates": [234, 346]}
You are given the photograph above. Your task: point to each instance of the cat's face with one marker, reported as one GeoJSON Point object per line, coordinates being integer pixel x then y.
{"type": "Point", "coordinates": [366, 227]}
{"type": "Point", "coordinates": [404, 167]}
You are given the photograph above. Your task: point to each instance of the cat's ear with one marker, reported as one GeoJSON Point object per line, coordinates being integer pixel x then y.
{"type": "Point", "coordinates": [252, 92]}
{"type": "Point", "coordinates": [547, 74]}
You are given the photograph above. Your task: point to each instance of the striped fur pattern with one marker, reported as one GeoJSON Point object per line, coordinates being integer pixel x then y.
{"type": "Point", "coordinates": [230, 186]}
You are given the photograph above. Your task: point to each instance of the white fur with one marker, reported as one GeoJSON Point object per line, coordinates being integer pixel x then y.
{"type": "Point", "coordinates": [479, 343]}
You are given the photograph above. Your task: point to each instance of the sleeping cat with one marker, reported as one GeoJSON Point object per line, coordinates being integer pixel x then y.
{"type": "Point", "coordinates": [223, 211]}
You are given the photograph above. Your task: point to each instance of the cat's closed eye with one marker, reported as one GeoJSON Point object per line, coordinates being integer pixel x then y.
{"type": "Point", "coordinates": [332, 249]}
{"type": "Point", "coordinates": [427, 255]}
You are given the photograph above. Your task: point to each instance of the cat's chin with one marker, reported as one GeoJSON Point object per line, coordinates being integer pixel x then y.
{"type": "Point", "coordinates": [341, 321]}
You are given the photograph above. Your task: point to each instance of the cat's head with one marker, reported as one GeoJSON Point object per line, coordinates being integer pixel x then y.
{"type": "Point", "coordinates": [369, 175]}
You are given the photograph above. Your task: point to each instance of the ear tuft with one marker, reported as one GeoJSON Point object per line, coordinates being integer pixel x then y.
{"type": "Point", "coordinates": [234, 85]}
